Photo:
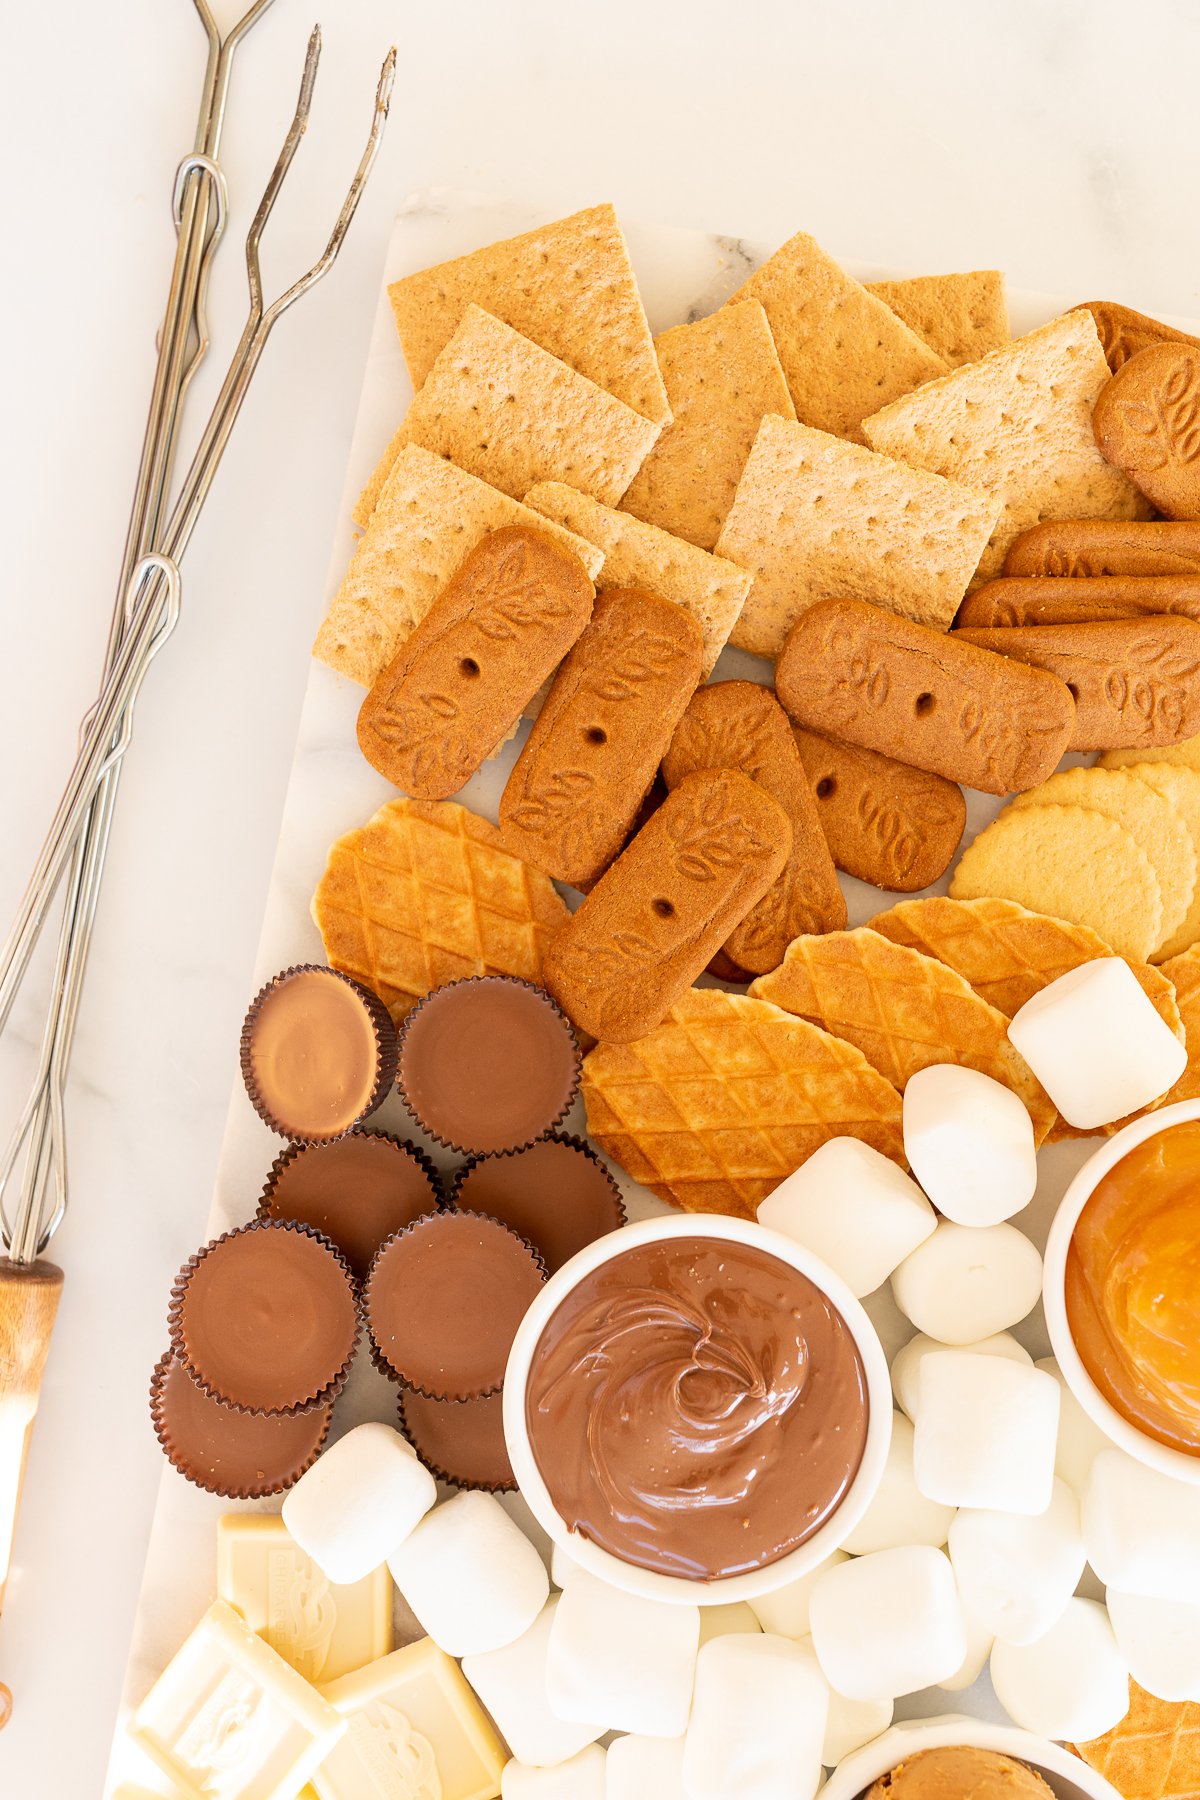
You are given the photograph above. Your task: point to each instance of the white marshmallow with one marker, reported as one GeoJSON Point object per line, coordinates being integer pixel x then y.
{"type": "Point", "coordinates": [758, 1721]}
{"type": "Point", "coordinates": [1097, 1044]}
{"type": "Point", "coordinates": [906, 1363]}
{"type": "Point", "coordinates": [850, 1724]}
{"type": "Point", "coordinates": [1142, 1529]}
{"type": "Point", "coordinates": [985, 1432]}
{"type": "Point", "coordinates": [517, 1508]}
{"type": "Point", "coordinates": [1072, 1683]}
{"type": "Point", "coordinates": [513, 1687]}
{"type": "Point", "coordinates": [358, 1502]}
{"type": "Point", "coordinates": [1080, 1441]}
{"type": "Point", "coordinates": [471, 1577]}
{"type": "Point", "coordinates": [721, 1621]}
{"type": "Point", "coordinates": [1016, 1571]}
{"type": "Point", "coordinates": [581, 1778]}
{"type": "Point", "coordinates": [630, 1661]}
{"type": "Point", "coordinates": [899, 1512]}
{"type": "Point", "coordinates": [969, 1142]}
{"type": "Point", "coordinates": [785, 1610]}
{"type": "Point", "coordinates": [1160, 1640]}
{"type": "Point", "coordinates": [562, 1566]}
{"type": "Point", "coordinates": [889, 1623]}
{"type": "Point", "coordinates": [966, 1282]}
{"type": "Point", "coordinates": [645, 1768]}
{"type": "Point", "coordinates": [854, 1209]}
{"type": "Point", "coordinates": [979, 1648]}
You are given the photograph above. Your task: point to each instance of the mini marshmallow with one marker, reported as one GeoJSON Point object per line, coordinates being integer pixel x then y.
{"type": "Point", "coordinates": [471, 1577]}
{"type": "Point", "coordinates": [889, 1623]}
{"type": "Point", "coordinates": [854, 1209]}
{"type": "Point", "coordinates": [358, 1502]}
{"type": "Point", "coordinates": [969, 1142]}
{"type": "Point", "coordinates": [580, 1778]}
{"type": "Point", "coordinates": [784, 1611]}
{"type": "Point", "coordinates": [1080, 1441]}
{"type": "Point", "coordinates": [899, 1512]}
{"type": "Point", "coordinates": [1016, 1571]}
{"type": "Point", "coordinates": [630, 1661]}
{"type": "Point", "coordinates": [907, 1362]}
{"type": "Point", "coordinates": [512, 1685]}
{"type": "Point", "coordinates": [736, 1618]}
{"type": "Point", "coordinates": [1160, 1640]}
{"type": "Point", "coordinates": [1072, 1683]}
{"type": "Point", "coordinates": [1142, 1529]}
{"type": "Point", "coordinates": [985, 1432]}
{"type": "Point", "coordinates": [644, 1768]}
{"type": "Point", "coordinates": [758, 1721]}
{"type": "Point", "coordinates": [1097, 1044]}
{"type": "Point", "coordinates": [979, 1648]}
{"type": "Point", "coordinates": [966, 1282]}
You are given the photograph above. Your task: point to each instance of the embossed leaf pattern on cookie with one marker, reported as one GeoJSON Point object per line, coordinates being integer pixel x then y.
{"type": "Point", "coordinates": [708, 840]}
{"type": "Point", "coordinates": [732, 742]}
{"type": "Point", "coordinates": [645, 656]}
{"type": "Point", "coordinates": [1165, 428]}
{"type": "Point", "coordinates": [422, 727]}
{"type": "Point", "coordinates": [521, 601]}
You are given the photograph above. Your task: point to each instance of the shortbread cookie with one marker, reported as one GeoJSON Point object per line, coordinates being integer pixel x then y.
{"type": "Point", "coordinates": [1124, 332]}
{"type": "Point", "coordinates": [1180, 787]}
{"type": "Point", "coordinates": [1106, 547]}
{"type": "Point", "coordinates": [1147, 423]}
{"type": "Point", "coordinates": [884, 821]}
{"type": "Point", "coordinates": [1184, 755]}
{"type": "Point", "coordinates": [1067, 600]}
{"type": "Point", "coordinates": [960, 317]}
{"type": "Point", "coordinates": [1183, 972]}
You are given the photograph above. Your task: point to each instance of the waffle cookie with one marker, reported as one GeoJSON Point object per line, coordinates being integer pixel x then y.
{"type": "Point", "coordinates": [1154, 1753]}
{"type": "Point", "coordinates": [426, 893]}
{"type": "Point", "coordinates": [727, 1096]}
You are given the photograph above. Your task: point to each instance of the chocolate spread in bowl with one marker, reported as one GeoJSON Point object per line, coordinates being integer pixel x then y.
{"type": "Point", "coordinates": [696, 1407]}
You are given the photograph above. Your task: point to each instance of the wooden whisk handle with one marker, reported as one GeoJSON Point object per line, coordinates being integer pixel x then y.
{"type": "Point", "coordinates": [29, 1294]}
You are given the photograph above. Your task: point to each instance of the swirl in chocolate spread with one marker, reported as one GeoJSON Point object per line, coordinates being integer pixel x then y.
{"type": "Point", "coordinates": [696, 1407]}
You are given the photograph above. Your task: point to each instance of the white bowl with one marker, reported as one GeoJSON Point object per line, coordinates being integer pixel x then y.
{"type": "Point", "coordinates": [649, 1583]}
{"type": "Point", "coordinates": [1125, 1436]}
{"type": "Point", "coordinates": [1069, 1776]}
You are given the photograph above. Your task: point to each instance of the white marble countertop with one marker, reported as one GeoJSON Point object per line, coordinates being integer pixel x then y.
{"type": "Point", "coordinates": [1044, 136]}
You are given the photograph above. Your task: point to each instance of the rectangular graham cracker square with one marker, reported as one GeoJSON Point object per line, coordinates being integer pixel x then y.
{"type": "Point", "coordinates": [429, 516]}
{"type": "Point", "coordinates": [642, 556]}
{"type": "Point", "coordinates": [504, 409]}
{"type": "Point", "coordinates": [845, 353]}
{"type": "Point", "coordinates": [1017, 425]}
{"type": "Point", "coordinates": [816, 518]}
{"type": "Point", "coordinates": [723, 376]}
{"type": "Point", "coordinates": [960, 317]}
{"type": "Point", "coordinates": [569, 286]}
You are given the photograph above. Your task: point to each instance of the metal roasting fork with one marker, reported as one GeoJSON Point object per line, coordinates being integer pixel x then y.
{"type": "Point", "coordinates": [147, 606]}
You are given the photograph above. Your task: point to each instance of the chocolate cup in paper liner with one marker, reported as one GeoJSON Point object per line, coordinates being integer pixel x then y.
{"type": "Point", "coordinates": [461, 1442]}
{"type": "Point", "coordinates": [358, 1191]}
{"type": "Point", "coordinates": [225, 1451]}
{"type": "Point", "coordinates": [443, 1302]}
{"type": "Point", "coordinates": [556, 1193]}
{"type": "Point", "coordinates": [266, 1317]}
{"type": "Point", "coordinates": [318, 1053]}
{"type": "Point", "coordinates": [488, 1063]}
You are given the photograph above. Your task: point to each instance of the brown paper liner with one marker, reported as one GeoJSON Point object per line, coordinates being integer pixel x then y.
{"type": "Point", "coordinates": [410, 1408]}
{"type": "Point", "coordinates": [386, 1046]}
{"type": "Point", "coordinates": [461, 1176]}
{"type": "Point", "coordinates": [402, 1146]}
{"type": "Point", "coordinates": [322, 1396]}
{"type": "Point", "coordinates": [298, 1449]}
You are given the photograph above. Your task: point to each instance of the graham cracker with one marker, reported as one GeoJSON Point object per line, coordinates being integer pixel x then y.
{"type": "Point", "coordinates": [815, 518]}
{"type": "Point", "coordinates": [1017, 425]}
{"type": "Point", "coordinates": [502, 408]}
{"type": "Point", "coordinates": [845, 353]}
{"type": "Point", "coordinates": [960, 317]}
{"type": "Point", "coordinates": [429, 516]}
{"type": "Point", "coordinates": [636, 555]}
{"type": "Point", "coordinates": [723, 376]}
{"type": "Point", "coordinates": [568, 285]}
{"type": "Point", "coordinates": [1154, 1753]}
{"type": "Point", "coordinates": [1072, 864]}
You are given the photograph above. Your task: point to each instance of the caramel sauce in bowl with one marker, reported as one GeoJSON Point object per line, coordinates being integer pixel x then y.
{"type": "Point", "coordinates": [697, 1409]}
{"type": "Point", "coordinates": [1122, 1289]}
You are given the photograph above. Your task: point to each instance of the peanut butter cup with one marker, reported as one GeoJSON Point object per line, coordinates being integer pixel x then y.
{"type": "Point", "coordinates": [443, 1302]}
{"type": "Point", "coordinates": [318, 1053]}
{"type": "Point", "coordinates": [459, 1441]}
{"type": "Point", "coordinates": [358, 1191]}
{"type": "Point", "coordinates": [557, 1193]}
{"type": "Point", "coordinates": [489, 1063]}
{"type": "Point", "coordinates": [265, 1317]}
{"type": "Point", "coordinates": [239, 1455]}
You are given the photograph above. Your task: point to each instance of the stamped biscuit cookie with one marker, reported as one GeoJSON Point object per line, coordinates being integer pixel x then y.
{"type": "Point", "coordinates": [1135, 682]}
{"type": "Point", "coordinates": [1071, 600]}
{"type": "Point", "coordinates": [884, 821]}
{"type": "Point", "coordinates": [1123, 332]}
{"type": "Point", "coordinates": [591, 756]}
{"type": "Point", "coordinates": [654, 919]}
{"type": "Point", "coordinates": [1106, 547]}
{"type": "Point", "coordinates": [924, 697]}
{"type": "Point", "coordinates": [461, 681]}
{"type": "Point", "coordinates": [740, 725]}
{"type": "Point", "coordinates": [1147, 423]}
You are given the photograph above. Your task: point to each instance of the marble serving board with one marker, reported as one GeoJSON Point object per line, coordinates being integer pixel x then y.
{"type": "Point", "coordinates": [684, 275]}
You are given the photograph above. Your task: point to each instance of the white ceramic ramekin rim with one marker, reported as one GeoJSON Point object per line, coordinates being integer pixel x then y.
{"type": "Point", "coordinates": [1069, 1776]}
{"type": "Point", "coordinates": [1117, 1429]}
{"type": "Point", "coordinates": [649, 1583]}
